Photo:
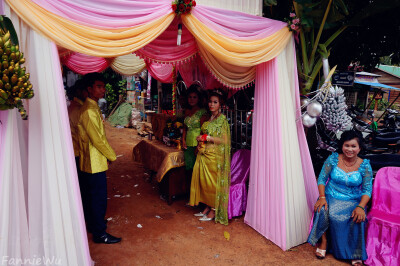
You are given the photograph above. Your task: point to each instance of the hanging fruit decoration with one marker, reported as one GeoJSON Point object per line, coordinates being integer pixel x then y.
{"type": "Point", "coordinates": [14, 81]}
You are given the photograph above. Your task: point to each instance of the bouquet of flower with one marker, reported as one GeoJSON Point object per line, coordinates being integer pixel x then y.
{"type": "Point", "coordinates": [293, 22]}
{"type": "Point", "coordinates": [183, 6]}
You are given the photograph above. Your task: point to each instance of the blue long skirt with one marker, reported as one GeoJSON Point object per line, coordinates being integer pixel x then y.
{"type": "Point", "coordinates": [346, 239]}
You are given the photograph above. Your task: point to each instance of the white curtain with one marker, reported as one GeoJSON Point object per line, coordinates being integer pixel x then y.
{"type": "Point", "coordinates": [38, 155]}
{"type": "Point", "coordinates": [253, 7]}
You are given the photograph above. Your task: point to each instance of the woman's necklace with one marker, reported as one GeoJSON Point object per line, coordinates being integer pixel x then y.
{"type": "Point", "coordinates": [349, 166]}
{"type": "Point", "coordinates": [214, 116]}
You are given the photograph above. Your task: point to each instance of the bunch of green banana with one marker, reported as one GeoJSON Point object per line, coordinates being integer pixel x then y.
{"type": "Point", "coordinates": [14, 81]}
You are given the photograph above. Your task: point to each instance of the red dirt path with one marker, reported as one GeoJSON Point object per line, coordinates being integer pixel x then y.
{"type": "Point", "coordinates": [177, 237]}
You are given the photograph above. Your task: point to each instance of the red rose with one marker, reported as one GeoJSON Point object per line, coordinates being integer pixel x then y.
{"type": "Point", "coordinates": [187, 1]}
{"type": "Point", "coordinates": [193, 3]}
{"type": "Point", "coordinates": [181, 8]}
{"type": "Point", "coordinates": [174, 7]}
{"type": "Point", "coordinates": [187, 9]}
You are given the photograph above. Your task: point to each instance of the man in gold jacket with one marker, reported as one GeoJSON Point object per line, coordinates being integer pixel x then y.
{"type": "Point", "coordinates": [94, 156]}
{"type": "Point", "coordinates": [79, 92]}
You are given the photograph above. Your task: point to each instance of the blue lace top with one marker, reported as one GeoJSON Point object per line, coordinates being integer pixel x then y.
{"type": "Point", "coordinates": [342, 185]}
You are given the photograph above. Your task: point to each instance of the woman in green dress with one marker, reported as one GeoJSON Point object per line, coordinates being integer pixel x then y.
{"type": "Point", "coordinates": [211, 172]}
{"type": "Point", "coordinates": [193, 114]}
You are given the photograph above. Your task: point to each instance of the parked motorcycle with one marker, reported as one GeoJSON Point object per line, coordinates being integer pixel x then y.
{"type": "Point", "coordinates": [391, 120]}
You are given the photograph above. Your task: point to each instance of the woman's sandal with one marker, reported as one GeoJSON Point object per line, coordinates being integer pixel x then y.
{"type": "Point", "coordinates": [357, 262]}
{"type": "Point", "coordinates": [320, 253]}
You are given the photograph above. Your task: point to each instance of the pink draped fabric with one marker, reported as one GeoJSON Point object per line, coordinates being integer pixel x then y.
{"type": "Point", "coordinates": [196, 70]}
{"type": "Point", "coordinates": [237, 25]}
{"type": "Point", "coordinates": [161, 72]}
{"type": "Point", "coordinates": [266, 184]}
{"type": "Point", "coordinates": [383, 228]}
{"type": "Point", "coordinates": [164, 48]}
{"type": "Point", "coordinates": [108, 13]}
{"type": "Point", "coordinates": [84, 64]}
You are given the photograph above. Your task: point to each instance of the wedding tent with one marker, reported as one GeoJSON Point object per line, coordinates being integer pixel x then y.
{"type": "Point", "coordinates": [40, 208]}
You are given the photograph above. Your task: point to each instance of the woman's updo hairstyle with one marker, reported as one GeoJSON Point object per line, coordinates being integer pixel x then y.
{"type": "Point", "coordinates": [349, 135]}
{"type": "Point", "coordinates": [194, 88]}
{"type": "Point", "coordinates": [218, 93]}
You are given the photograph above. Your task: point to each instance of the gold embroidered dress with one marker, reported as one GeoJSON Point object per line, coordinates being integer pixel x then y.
{"type": "Point", "coordinates": [211, 173]}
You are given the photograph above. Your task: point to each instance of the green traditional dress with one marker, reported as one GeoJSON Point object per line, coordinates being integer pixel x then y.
{"type": "Point", "coordinates": [193, 125]}
{"type": "Point", "coordinates": [211, 173]}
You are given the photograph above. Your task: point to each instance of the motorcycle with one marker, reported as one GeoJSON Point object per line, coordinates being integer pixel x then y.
{"type": "Point", "coordinates": [391, 120]}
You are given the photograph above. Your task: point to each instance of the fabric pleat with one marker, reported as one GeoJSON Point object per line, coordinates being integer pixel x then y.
{"type": "Point", "coordinates": [14, 239]}
{"type": "Point", "coordinates": [282, 181]}
{"type": "Point", "coordinates": [53, 209]}
{"type": "Point", "coordinates": [266, 199]}
{"type": "Point", "coordinates": [84, 64]}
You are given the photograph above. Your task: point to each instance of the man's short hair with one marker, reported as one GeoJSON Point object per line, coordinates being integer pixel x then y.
{"type": "Point", "coordinates": [92, 77]}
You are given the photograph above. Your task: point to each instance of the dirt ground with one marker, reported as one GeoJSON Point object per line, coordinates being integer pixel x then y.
{"type": "Point", "coordinates": [154, 233]}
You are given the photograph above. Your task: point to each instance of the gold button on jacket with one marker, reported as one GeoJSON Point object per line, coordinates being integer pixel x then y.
{"type": "Point", "coordinates": [94, 150]}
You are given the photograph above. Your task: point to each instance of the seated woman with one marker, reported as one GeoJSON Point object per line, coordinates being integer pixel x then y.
{"type": "Point", "coordinates": [345, 186]}
{"type": "Point", "coordinates": [193, 114]}
{"type": "Point", "coordinates": [211, 172]}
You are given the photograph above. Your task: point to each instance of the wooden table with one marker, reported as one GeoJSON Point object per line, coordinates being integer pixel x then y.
{"type": "Point", "coordinates": [167, 162]}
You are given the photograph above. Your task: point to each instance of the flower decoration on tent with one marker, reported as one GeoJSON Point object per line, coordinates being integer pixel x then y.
{"type": "Point", "coordinates": [14, 82]}
{"type": "Point", "coordinates": [182, 7]}
{"type": "Point", "coordinates": [293, 22]}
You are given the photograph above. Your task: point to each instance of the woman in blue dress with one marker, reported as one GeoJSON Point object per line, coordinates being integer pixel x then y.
{"type": "Point", "coordinates": [345, 186]}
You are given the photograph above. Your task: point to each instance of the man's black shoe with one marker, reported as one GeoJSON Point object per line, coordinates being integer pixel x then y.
{"type": "Point", "coordinates": [106, 239]}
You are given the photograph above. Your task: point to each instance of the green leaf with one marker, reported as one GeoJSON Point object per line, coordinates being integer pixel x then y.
{"type": "Point", "coordinates": [270, 2]}
{"type": "Point", "coordinates": [10, 27]}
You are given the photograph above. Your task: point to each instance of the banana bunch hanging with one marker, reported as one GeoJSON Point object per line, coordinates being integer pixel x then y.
{"type": "Point", "coordinates": [14, 81]}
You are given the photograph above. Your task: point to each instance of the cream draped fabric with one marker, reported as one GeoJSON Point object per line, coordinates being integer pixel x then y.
{"type": "Point", "coordinates": [128, 65]}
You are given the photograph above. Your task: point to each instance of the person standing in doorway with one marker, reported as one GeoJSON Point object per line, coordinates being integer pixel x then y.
{"type": "Point", "coordinates": [95, 153]}
{"type": "Point", "coordinates": [79, 94]}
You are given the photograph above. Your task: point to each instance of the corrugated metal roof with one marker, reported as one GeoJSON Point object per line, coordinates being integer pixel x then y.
{"type": "Point", "coordinates": [392, 70]}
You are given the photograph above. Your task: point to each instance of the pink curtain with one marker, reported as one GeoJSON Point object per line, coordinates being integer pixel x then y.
{"type": "Point", "coordinates": [161, 72]}
{"type": "Point", "coordinates": [84, 64]}
{"type": "Point", "coordinates": [164, 48]}
{"type": "Point", "coordinates": [196, 70]}
{"type": "Point", "coordinates": [237, 25]}
{"type": "Point", "coordinates": [266, 199]}
{"type": "Point", "coordinates": [108, 13]}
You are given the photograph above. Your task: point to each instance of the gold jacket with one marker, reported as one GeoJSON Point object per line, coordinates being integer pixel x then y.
{"type": "Point", "coordinates": [74, 110]}
{"type": "Point", "coordinates": [94, 150]}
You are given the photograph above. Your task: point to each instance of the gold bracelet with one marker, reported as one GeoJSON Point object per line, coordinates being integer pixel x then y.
{"type": "Point", "coordinates": [322, 197]}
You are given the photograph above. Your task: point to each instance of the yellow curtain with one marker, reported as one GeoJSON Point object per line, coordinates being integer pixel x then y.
{"type": "Point", "coordinates": [235, 52]}
{"type": "Point", "coordinates": [88, 40]}
{"type": "Point", "coordinates": [128, 65]}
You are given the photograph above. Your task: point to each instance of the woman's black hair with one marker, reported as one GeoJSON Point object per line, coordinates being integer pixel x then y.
{"type": "Point", "coordinates": [349, 135]}
{"type": "Point", "coordinates": [218, 93]}
{"type": "Point", "coordinates": [194, 88]}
